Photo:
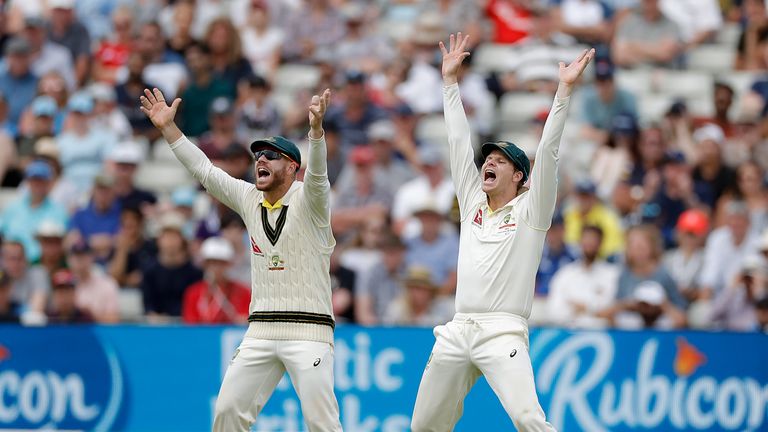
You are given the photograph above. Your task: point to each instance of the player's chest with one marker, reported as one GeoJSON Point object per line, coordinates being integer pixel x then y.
{"type": "Point", "coordinates": [275, 239]}
{"type": "Point", "coordinates": [493, 227]}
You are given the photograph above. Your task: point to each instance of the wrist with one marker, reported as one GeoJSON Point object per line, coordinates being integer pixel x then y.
{"type": "Point", "coordinates": [316, 132]}
{"type": "Point", "coordinates": [450, 80]}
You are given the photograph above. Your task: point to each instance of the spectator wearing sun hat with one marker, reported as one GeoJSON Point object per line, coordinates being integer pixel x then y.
{"type": "Point", "coordinates": [684, 263]}
{"type": "Point", "coordinates": [126, 158]}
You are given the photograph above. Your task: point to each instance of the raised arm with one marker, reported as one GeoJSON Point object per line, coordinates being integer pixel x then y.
{"type": "Point", "coordinates": [542, 196]}
{"type": "Point", "coordinates": [466, 177]}
{"type": "Point", "coordinates": [226, 189]}
{"type": "Point", "coordinates": [317, 188]}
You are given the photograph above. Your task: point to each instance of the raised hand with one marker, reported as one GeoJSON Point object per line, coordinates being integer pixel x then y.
{"type": "Point", "coordinates": [569, 74]}
{"type": "Point", "coordinates": [453, 56]}
{"type": "Point", "coordinates": [317, 110]}
{"type": "Point", "coordinates": [153, 104]}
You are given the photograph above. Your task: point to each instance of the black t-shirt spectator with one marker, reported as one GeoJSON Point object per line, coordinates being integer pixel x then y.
{"type": "Point", "coordinates": [344, 278]}
{"type": "Point", "coordinates": [164, 287]}
{"type": "Point", "coordinates": [11, 316]}
{"type": "Point", "coordinates": [143, 258]}
{"type": "Point", "coordinates": [136, 198]}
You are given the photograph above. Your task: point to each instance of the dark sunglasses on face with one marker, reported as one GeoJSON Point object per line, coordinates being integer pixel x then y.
{"type": "Point", "coordinates": [269, 154]}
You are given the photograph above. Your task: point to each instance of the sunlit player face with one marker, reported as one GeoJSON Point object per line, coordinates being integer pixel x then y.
{"type": "Point", "coordinates": [273, 169]}
{"type": "Point", "coordinates": [498, 173]}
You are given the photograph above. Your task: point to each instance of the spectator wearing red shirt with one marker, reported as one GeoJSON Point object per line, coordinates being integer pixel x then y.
{"type": "Point", "coordinates": [216, 299]}
{"type": "Point", "coordinates": [512, 20]}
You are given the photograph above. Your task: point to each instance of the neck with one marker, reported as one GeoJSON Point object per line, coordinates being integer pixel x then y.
{"type": "Point", "coordinates": [83, 275]}
{"type": "Point", "coordinates": [35, 201]}
{"type": "Point", "coordinates": [429, 237]}
{"type": "Point", "coordinates": [172, 259]}
{"type": "Point", "coordinates": [497, 201]}
{"type": "Point", "coordinates": [589, 260]}
{"type": "Point", "coordinates": [274, 195]}
{"type": "Point", "coordinates": [644, 268]}
{"type": "Point", "coordinates": [202, 79]}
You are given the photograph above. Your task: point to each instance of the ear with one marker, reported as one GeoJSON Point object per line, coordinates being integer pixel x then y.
{"type": "Point", "coordinates": [517, 176]}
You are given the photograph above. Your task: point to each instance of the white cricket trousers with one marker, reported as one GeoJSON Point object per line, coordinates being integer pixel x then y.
{"type": "Point", "coordinates": [491, 344]}
{"type": "Point", "coordinates": [256, 369]}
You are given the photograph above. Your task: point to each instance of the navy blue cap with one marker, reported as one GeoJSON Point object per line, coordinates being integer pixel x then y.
{"type": "Point", "coordinates": [354, 76]}
{"type": "Point", "coordinates": [603, 70]}
{"type": "Point", "coordinates": [280, 144]}
{"type": "Point", "coordinates": [514, 153]}
{"type": "Point", "coordinates": [80, 247]}
{"type": "Point", "coordinates": [674, 157]}
{"type": "Point", "coordinates": [586, 186]}
{"type": "Point", "coordinates": [624, 124]}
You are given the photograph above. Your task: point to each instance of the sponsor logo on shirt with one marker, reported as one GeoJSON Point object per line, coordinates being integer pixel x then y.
{"type": "Point", "coordinates": [255, 248]}
{"type": "Point", "coordinates": [478, 220]}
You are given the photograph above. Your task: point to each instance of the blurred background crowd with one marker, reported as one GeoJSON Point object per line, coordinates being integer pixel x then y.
{"type": "Point", "coordinates": [663, 209]}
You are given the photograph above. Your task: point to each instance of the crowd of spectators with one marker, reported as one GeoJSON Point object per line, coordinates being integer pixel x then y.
{"type": "Point", "coordinates": [662, 220]}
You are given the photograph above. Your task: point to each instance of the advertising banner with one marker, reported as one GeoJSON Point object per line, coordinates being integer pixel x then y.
{"type": "Point", "coordinates": [143, 378]}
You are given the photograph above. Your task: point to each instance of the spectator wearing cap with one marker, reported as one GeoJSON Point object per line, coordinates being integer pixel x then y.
{"type": "Point", "coordinates": [361, 47]}
{"type": "Point", "coordinates": [50, 236]}
{"type": "Point", "coordinates": [314, 28]}
{"type": "Point", "coordinates": [686, 261]}
{"type": "Point", "coordinates": [216, 299]}
{"type": "Point", "coordinates": [10, 312]}
{"type": "Point", "coordinates": [726, 249]}
{"type": "Point", "coordinates": [711, 176]}
{"type": "Point", "coordinates": [735, 308]}
{"type": "Point", "coordinates": [183, 201]}
{"type": "Point", "coordinates": [366, 198]}
{"type": "Point", "coordinates": [106, 113]}
{"type": "Point", "coordinates": [98, 222]}
{"type": "Point", "coordinates": [581, 289]}
{"type": "Point", "coordinates": [262, 40]}
{"type": "Point", "coordinates": [47, 56]}
{"type": "Point", "coordinates": [750, 188]}
{"type": "Point", "coordinates": [257, 114]}
{"type": "Point", "coordinates": [133, 253]}
{"type": "Point", "coordinates": [83, 148]}
{"type": "Point", "coordinates": [357, 113]}
{"type": "Point", "coordinates": [44, 112]}
{"type": "Point", "coordinates": [63, 191]}
{"type": "Point", "coordinates": [610, 161]}
{"type": "Point", "coordinates": [65, 29]}
{"type": "Point", "coordinates": [164, 282]}
{"type": "Point", "coordinates": [386, 145]}
{"type": "Point", "coordinates": [63, 307]}
{"type": "Point", "coordinates": [602, 102]}
{"type": "Point", "coordinates": [431, 184]}
{"type": "Point", "coordinates": [29, 287]}
{"type": "Point", "coordinates": [201, 93]}
{"type": "Point", "coordinates": [126, 158]}
{"type": "Point", "coordinates": [588, 209]}
{"type": "Point", "coordinates": [22, 217]}
{"type": "Point", "coordinates": [162, 67]}
{"type": "Point", "coordinates": [419, 304]}
{"type": "Point", "coordinates": [227, 59]}
{"type": "Point", "coordinates": [18, 84]}
{"type": "Point", "coordinates": [113, 50]}
{"type": "Point", "coordinates": [377, 287]}
{"type": "Point", "coordinates": [646, 38]}
{"type": "Point", "coordinates": [95, 291]}
{"type": "Point", "coordinates": [555, 255]}
{"type": "Point", "coordinates": [434, 248]}
{"type": "Point", "coordinates": [223, 129]}
{"type": "Point", "coordinates": [648, 308]}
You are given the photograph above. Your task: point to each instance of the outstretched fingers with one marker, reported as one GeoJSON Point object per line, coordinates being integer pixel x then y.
{"type": "Point", "coordinates": [442, 48]}
{"type": "Point", "coordinates": [145, 103]}
{"type": "Point", "coordinates": [150, 97]}
{"type": "Point", "coordinates": [158, 95]}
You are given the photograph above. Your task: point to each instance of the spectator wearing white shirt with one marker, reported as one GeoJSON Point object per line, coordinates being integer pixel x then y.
{"type": "Point", "coordinates": [698, 20]}
{"type": "Point", "coordinates": [262, 40]}
{"type": "Point", "coordinates": [686, 261]}
{"type": "Point", "coordinates": [581, 289]}
{"type": "Point", "coordinates": [585, 20]}
{"type": "Point", "coordinates": [47, 56]}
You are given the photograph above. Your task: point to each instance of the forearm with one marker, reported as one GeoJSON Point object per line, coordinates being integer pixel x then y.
{"type": "Point", "coordinates": [316, 178]}
{"type": "Point", "coordinates": [118, 265]}
{"type": "Point", "coordinates": [171, 132]}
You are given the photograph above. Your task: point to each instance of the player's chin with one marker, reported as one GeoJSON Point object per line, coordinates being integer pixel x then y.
{"type": "Point", "coordinates": [489, 187]}
{"type": "Point", "coordinates": [264, 183]}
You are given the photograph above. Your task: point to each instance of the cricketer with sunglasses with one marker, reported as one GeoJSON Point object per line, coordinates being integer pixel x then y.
{"type": "Point", "coordinates": [291, 321]}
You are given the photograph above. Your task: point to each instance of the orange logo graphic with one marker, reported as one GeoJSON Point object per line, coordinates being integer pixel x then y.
{"type": "Point", "coordinates": [688, 358]}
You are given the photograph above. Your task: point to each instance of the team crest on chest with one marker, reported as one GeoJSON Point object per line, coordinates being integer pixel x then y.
{"type": "Point", "coordinates": [276, 263]}
{"type": "Point", "coordinates": [507, 225]}
{"type": "Point", "coordinates": [478, 219]}
{"type": "Point", "coordinates": [255, 248]}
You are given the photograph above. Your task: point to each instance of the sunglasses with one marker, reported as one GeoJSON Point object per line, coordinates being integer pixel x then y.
{"type": "Point", "coordinates": [269, 154]}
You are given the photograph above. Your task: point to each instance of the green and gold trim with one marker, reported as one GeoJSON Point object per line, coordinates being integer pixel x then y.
{"type": "Point", "coordinates": [293, 317]}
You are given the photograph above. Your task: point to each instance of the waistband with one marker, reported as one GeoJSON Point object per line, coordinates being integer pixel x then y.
{"type": "Point", "coordinates": [491, 318]}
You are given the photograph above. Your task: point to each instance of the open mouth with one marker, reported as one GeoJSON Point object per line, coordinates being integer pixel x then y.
{"type": "Point", "coordinates": [489, 176]}
{"type": "Point", "coordinates": [262, 172]}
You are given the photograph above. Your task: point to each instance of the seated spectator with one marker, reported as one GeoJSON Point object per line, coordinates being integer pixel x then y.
{"type": "Point", "coordinates": [555, 255]}
{"type": "Point", "coordinates": [686, 261]}
{"type": "Point", "coordinates": [262, 40]}
{"type": "Point", "coordinates": [613, 159]}
{"type": "Point", "coordinates": [376, 289]}
{"type": "Point", "coordinates": [581, 289]}
{"type": "Point", "coordinates": [761, 309]}
{"type": "Point", "coordinates": [133, 253]}
{"type": "Point", "coordinates": [162, 67]}
{"type": "Point", "coordinates": [223, 129]}
{"type": "Point", "coordinates": [63, 192]}
{"type": "Point", "coordinates": [9, 309]}
{"type": "Point", "coordinates": [589, 210]}
{"type": "Point", "coordinates": [18, 84]}
{"type": "Point", "coordinates": [21, 218]}
{"type": "Point", "coordinates": [478, 101]}
{"type": "Point", "coordinates": [361, 47]}
{"type": "Point", "coordinates": [606, 107]}
{"type": "Point", "coordinates": [204, 88]}
{"type": "Point", "coordinates": [47, 56]}
{"type": "Point", "coordinates": [63, 308]}
{"type": "Point", "coordinates": [586, 20]}
{"type": "Point", "coordinates": [648, 308]}
{"type": "Point", "coordinates": [726, 248]}
{"type": "Point", "coordinates": [432, 184]}
{"type": "Point", "coordinates": [698, 21]}
{"type": "Point", "coordinates": [421, 88]}
{"type": "Point", "coordinates": [44, 111]}
{"type": "Point", "coordinates": [182, 20]}
{"type": "Point", "coordinates": [129, 91]}
{"type": "Point", "coordinates": [356, 113]}
{"type": "Point", "coordinates": [435, 249]}
{"type": "Point", "coordinates": [457, 16]}
{"type": "Point", "coordinates": [257, 114]}
{"type": "Point", "coordinates": [95, 292]}
{"type": "Point", "coordinates": [386, 144]}
{"type": "Point", "coordinates": [343, 290]}
{"type": "Point", "coordinates": [233, 229]}
{"type": "Point", "coordinates": [735, 307]}
{"type": "Point", "coordinates": [754, 35]}
{"type": "Point", "coordinates": [335, 159]}
{"type": "Point", "coordinates": [749, 188]}
{"type": "Point", "coordinates": [216, 299]}
{"type": "Point", "coordinates": [29, 287]}
{"type": "Point", "coordinates": [722, 98]}
{"type": "Point", "coordinates": [106, 113]}
{"type": "Point", "coordinates": [316, 27]}
{"type": "Point", "coordinates": [649, 159]}
{"type": "Point", "coordinates": [112, 52]}
{"type": "Point", "coordinates": [711, 177]}
{"type": "Point", "coordinates": [363, 251]}
{"type": "Point", "coordinates": [99, 221]}
{"type": "Point", "coordinates": [83, 148]}
{"type": "Point", "coordinates": [65, 29]}
{"type": "Point", "coordinates": [126, 157]}
{"type": "Point", "coordinates": [419, 305]}
{"type": "Point", "coordinates": [646, 38]}
{"type": "Point", "coordinates": [164, 282]}
{"type": "Point", "coordinates": [50, 236]}
{"type": "Point", "coordinates": [183, 201]}
{"type": "Point", "coordinates": [227, 61]}
{"type": "Point", "coordinates": [512, 20]}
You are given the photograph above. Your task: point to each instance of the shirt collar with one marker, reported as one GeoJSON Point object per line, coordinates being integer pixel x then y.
{"type": "Point", "coordinates": [284, 201]}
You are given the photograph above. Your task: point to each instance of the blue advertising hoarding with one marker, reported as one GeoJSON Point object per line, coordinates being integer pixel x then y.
{"type": "Point", "coordinates": [141, 378]}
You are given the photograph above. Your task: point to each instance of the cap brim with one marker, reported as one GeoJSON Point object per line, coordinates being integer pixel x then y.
{"type": "Point", "coordinates": [261, 144]}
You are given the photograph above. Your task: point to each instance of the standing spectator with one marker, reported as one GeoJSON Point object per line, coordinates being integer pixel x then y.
{"type": "Point", "coordinates": [419, 305]}
{"type": "Point", "coordinates": [555, 255]}
{"type": "Point", "coordinates": [580, 290]}
{"type": "Point", "coordinates": [216, 299]}
{"type": "Point", "coordinates": [164, 283]}
{"type": "Point", "coordinates": [202, 90]}
{"type": "Point", "coordinates": [18, 84]}
{"type": "Point", "coordinates": [95, 292]}
{"type": "Point", "coordinates": [126, 157]}
{"type": "Point", "coordinates": [98, 222]}
{"type": "Point", "coordinates": [29, 289]}
{"type": "Point", "coordinates": [262, 39]}
{"type": "Point", "coordinates": [63, 308]}
{"type": "Point", "coordinates": [512, 20]}
{"type": "Point", "coordinates": [83, 148]}
{"type": "Point", "coordinates": [589, 210]}
{"type": "Point", "coordinates": [133, 253]}
{"type": "Point", "coordinates": [314, 28]}
{"type": "Point", "coordinates": [726, 248]}
{"type": "Point", "coordinates": [10, 312]}
{"type": "Point", "coordinates": [698, 20]}
{"type": "Point", "coordinates": [435, 249]}
{"type": "Point", "coordinates": [21, 219]}
{"type": "Point", "coordinates": [65, 29]}
{"type": "Point", "coordinates": [227, 61]}
{"type": "Point", "coordinates": [377, 288]}
{"type": "Point", "coordinates": [47, 56]}
{"type": "Point", "coordinates": [686, 262]}
{"type": "Point", "coordinates": [257, 115]}
{"type": "Point", "coordinates": [603, 102]}
{"type": "Point", "coordinates": [735, 307]}
{"type": "Point", "coordinates": [646, 37]}
{"type": "Point", "coordinates": [162, 67]}
{"type": "Point", "coordinates": [112, 52]}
